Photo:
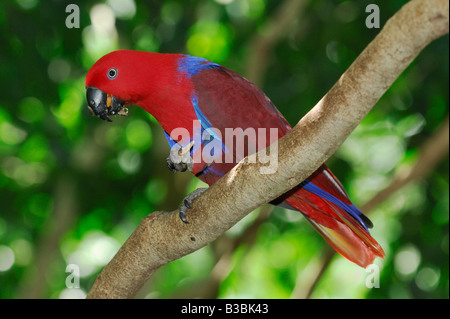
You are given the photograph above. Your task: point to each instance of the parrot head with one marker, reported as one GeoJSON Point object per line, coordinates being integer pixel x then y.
{"type": "Point", "coordinates": [107, 86]}
{"type": "Point", "coordinates": [126, 77]}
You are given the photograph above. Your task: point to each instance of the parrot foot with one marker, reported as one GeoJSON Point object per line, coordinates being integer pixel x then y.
{"type": "Point", "coordinates": [187, 203]}
{"type": "Point", "coordinates": [179, 159]}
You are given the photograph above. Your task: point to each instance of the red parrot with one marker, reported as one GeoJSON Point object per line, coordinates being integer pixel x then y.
{"type": "Point", "coordinates": [198, 102]}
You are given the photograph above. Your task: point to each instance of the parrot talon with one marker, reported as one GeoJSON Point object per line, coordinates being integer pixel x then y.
{"type": "Point", "coordinates": [187, 204]}
{"type": "Point", "coordinates": [174, 167]}
{"type": "Point", "coordinates": [179, 159]}
{"type": "Point", "coordinates": [188, 201]}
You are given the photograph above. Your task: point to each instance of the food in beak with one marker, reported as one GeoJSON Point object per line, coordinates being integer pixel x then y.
{"type": "Point", "coordinates": [101, 104]}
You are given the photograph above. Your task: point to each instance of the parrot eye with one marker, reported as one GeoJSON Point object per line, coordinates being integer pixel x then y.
{"type": "Point", "coordinates": [112, 73]}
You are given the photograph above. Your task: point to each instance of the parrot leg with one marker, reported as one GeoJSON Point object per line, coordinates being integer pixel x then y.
{"type": "Point", "coordinates": [187, 203]}
{"type": "Point", "coordinates": [179, 159]}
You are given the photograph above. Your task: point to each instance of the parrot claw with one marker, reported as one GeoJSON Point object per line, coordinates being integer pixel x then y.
{"type": "Point", "coordinates": [187, 203]}
{"type": "Point", "coordinates": [179, 159]}
{"type": "Point", "coordinates": [176, 167]}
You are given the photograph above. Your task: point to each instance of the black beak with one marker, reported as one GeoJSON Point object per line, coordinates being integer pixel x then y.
{"type": "Point", "coordinates": [101, 104]}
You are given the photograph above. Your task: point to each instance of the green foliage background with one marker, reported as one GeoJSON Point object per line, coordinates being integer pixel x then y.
{"type": "Point", "coordinates": [73, 188]}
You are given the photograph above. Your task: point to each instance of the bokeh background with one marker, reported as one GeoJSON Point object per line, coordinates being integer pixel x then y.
{"type": "Point", "coordinates": [73, 188]}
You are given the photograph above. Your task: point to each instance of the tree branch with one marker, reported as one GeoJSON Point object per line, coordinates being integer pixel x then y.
{"type": "Point", "coordinates": [273, 31]}
{"type": "Point", "coordinates": [161, 237]}
{"type": "Point", "coordinates": [431, 154]}
{"type": "Point", "coordinates": [65, 211]}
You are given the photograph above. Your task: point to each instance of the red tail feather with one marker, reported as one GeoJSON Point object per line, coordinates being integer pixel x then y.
{"type": "Point", "coordinates": [343, 232]}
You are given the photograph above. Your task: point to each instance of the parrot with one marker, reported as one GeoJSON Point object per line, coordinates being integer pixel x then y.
{"type": "Point", "coordinates": [198, 102]}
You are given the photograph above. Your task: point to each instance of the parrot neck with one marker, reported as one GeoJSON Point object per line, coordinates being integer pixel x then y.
{"type": "Point", "coordinates": [168, 90]}
{"type": "Point", "coordinates": [171, 106]}
{"type": "Point", "coordinates": [172, 116]}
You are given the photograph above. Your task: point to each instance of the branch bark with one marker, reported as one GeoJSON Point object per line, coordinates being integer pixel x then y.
{"type": "Point", "coordinates": [162, 238]}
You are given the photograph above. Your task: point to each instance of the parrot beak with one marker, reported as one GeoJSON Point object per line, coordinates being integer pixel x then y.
{"type": "Point", "coordinates": [101, 104]}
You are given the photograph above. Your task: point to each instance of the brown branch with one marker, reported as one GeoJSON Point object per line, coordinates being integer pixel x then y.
{"type": "Point", "coordinates": [310, 276]}
{"type": "Point", "coordinates": [431, 154]}
{"type": "Point", "coordinates": [64, 214]}
{"type": "Point", "coordinates": [35, 283]}
{"type": "Point", "coordinates": [161, 237]}
{"type": "Point", "coordinates": [262, 44]}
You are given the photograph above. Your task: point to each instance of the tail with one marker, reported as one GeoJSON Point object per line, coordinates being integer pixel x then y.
{"type": "Point", "coordinates": [325, 204]}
